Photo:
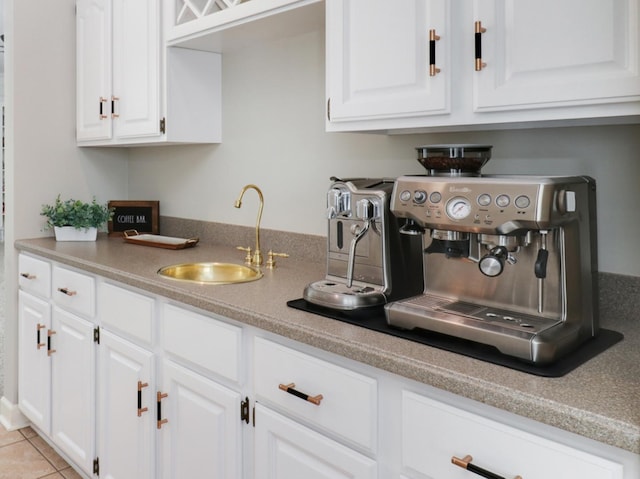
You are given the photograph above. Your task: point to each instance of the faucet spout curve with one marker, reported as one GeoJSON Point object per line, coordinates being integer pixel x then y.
{"type": "Point", "coordinates": [257, 255]}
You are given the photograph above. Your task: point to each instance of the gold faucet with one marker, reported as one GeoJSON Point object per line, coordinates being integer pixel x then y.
{"type": "Point", "coordinates": [257, 255]}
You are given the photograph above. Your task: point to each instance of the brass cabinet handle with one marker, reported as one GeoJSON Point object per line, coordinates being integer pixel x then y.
{"type": "Point", "coordinates": [38, 343]}
{"type": "Point", "coordinates": [50, 351]}
{"type": "Point", "coordinates": [479, 30]}
{"type": "Point", "coordinates": [433, 38]}
{"type": "Point", "coordinates": [141, 409]}
{"type": "Point", "coordinates": [101, 102]}
{"type": "Point", "coordinates": [289, 388]}
{"type": "Point", "coordinates": [67, 291]}
{"type": "Point", "coordinates": [159, 397]}
{"type": "Point", "coordinates": [465, 463]}
{"type": "Point", "coordinates": [28, 276]}
{"type": "Point", "coordinates": [114, 99]}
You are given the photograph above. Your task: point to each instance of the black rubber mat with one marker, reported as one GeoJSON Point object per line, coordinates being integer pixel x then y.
{"type": "Point", "coordinates": [375, 320]}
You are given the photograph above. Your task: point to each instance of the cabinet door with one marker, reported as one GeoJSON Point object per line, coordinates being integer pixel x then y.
{"type": "Point", "coordinates": [284, 449]}
{"type": "Point", "coordinates": [201, 437]}
{"type": "Point", "coordinates": [378, 59]}
{"type": "Point", "coordinates": [93, 69]}
{"type": "Point", "coordinates": [434, 432]}
{"type": "Point", "coordinates": [552, 54]}
{"type": "Point", "coordinates": [34, 367]}
{"type": "Point", "coordinates": [126, 407]}
{"type": "Point", "coordinates": [73, 387]}
{"type": "Point", "coordinates": [136, 68]}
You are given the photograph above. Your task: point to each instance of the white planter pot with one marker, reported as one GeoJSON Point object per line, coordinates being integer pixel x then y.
{"type": "Point", "coordinates": [69, 233]}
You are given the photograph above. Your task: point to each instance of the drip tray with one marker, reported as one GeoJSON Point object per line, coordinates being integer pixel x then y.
{"type": "Point", "coordinates": [510, 320]}
{"type": "Point", "coordinates": [374, 319]}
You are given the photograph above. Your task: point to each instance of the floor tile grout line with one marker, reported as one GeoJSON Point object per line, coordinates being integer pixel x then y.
{"type": "Point", "coordinates": [45, 457]}
{"type": "Point", "coordinates": [24, 439]}
{"type": "Point", "coordinates": [35, 435]}
{"type": "Point", "coordinates": [11, 443]}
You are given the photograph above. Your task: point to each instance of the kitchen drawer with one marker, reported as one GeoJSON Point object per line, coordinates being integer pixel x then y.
{"type": "Point", "coordinates": [202, 341]}
{"type": "Point", "coordinates": [34, 275]}
{"type": "Point", "coordinates": [348, 407]}
{"type": "Point", "coordinates": [126, 312]}
{"type": "Point", "coordinates": [433, 432]}
{"type": "Point", "coordinates": [286, 449]}
{"type": "Point", "coordinates": [74, 291]}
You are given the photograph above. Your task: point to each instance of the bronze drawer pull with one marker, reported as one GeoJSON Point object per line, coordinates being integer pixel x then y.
{"type": "Point", "coordinates": [159, 397]}
{"type": "Point", "coordinates": [140, 408]}
{"type": "Point", "coordinates": [289, 388]}
{"type": "Point", "coordinates": [38, 339]}
{"type": "Point", "coordinates": [479, 30]}
{"type": "Point", "coordinates": [28, 275]}
{"type": "Point", "coordinates": [101, 101]}
{"type": "Point", "coordinates": [433, 38]}
{"type": "Point", "coordinates": [67, 291]}
{"type": "Point", "coordinates": [465, 463]}
{"type": "Point", "coordinates": [50, 351]}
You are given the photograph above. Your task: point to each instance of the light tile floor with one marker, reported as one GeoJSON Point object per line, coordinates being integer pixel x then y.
{"type": "Point", "coordinates": [25, 455]}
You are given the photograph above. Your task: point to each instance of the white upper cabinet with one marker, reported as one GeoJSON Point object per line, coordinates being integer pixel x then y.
{"type": "Point", "coordinates": [421, 65]}
{"type": "Point", "coordinates": [383, 56]}
{"type": "Point", "coordinates": [93, 73]}
{"type": "Point", "coordinates": [118, 58]}
{"type": "Point", "coordinates": [130, 89]}
{"type": "Point", "coordinates": [136, 68]}
{"type": "Point", "coordinates": [553, 53]}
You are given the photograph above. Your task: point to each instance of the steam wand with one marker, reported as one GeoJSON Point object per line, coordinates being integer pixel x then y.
{"type": "Point", "coordinates": [364, 210]}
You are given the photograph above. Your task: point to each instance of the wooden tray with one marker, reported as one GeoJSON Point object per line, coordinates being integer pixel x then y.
{"type": "Point", "coordinates": [158, 241]}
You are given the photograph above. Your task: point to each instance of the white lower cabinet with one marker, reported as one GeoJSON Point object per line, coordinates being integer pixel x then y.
{"type": "Point", "coordinates": [202, 433]}
{"type": "Point", "coordinates": [331, 398]}
{"type": "Point", "coordinates": [285, 449]}
{"type": "Point", "coordinates": [166, 393]}
{"type": "Point", "coordinates": [73, 387]}
{"type": "Point", "coordinates": [127, 408]}
{"type": "Point", "coordinates": [329, 414]}
{"type": "Point", "coordinates": [34, 366]}
{"type": "Point", "coordinates": [437, 439]}
{"type": "Point", "coordinates": [57, 361]}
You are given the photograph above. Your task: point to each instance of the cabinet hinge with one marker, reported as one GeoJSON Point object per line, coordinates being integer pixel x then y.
{"type": "Point", "coordinates": [244, 410]}
{"type": "Point", "coordinates": [96, 466]}
{"type": "Point", "coordinates": [163, 126]}
{"type": "Point", "coordinates": [96, 335]}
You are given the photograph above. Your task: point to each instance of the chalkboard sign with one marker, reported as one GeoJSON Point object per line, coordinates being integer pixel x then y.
{"type": "Point", "coordinates": [142, 216]}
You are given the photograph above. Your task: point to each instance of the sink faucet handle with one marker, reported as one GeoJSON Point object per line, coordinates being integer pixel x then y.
{"type": "Point", "coordinates": [271, 262]}
{"type": "Point", "coordinates": [248, 258]}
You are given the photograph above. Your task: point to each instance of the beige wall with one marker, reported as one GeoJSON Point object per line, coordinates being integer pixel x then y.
{"type": "Point", "coordinates": [41, 159]}
{"type": "Point", "coordinates": [273, 135]}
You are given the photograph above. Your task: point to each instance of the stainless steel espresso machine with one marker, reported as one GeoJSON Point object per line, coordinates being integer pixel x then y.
{"type": "Point", "coordinates": [368, 261]}
{"type": "Point", "coordinates": [509, 261]}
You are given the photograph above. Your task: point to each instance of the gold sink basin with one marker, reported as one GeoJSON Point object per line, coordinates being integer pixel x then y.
{"type": "Point", "coordinates": [211, 273]}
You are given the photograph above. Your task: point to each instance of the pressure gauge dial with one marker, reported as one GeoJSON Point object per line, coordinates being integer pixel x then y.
{"type": "Point", "coordinates": [458, 208]}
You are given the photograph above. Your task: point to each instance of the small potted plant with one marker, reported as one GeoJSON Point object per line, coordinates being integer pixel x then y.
{"type": "Point", "coordinates": [74, 220]}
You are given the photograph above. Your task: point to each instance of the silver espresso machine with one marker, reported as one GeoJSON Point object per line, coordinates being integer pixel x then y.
{"type": "Point", "coordinates": [509, 261]}
{"type": "Point", "coordinates": [369, 262]}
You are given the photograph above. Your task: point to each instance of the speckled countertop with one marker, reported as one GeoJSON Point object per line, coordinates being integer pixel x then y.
{"type": "Point", "coordinates": [599, 400]}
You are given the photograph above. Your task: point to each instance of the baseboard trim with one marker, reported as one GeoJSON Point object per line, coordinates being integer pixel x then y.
{"type": "Point", "coordinates": [10, 416]}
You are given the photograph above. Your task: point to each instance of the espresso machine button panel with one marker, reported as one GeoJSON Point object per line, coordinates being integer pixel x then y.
{"type": "Point", "coordinates": [491, 204]}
